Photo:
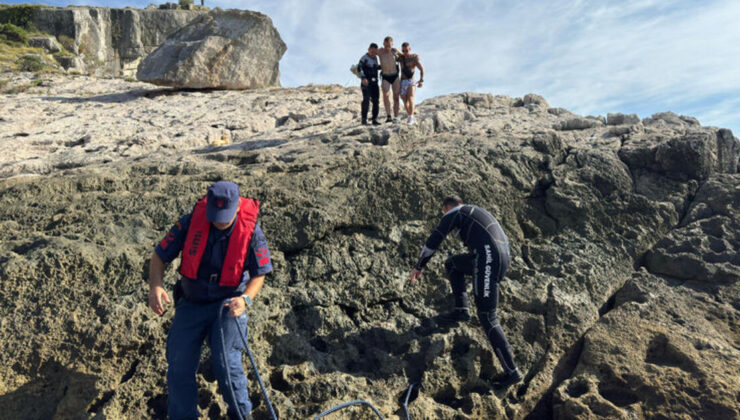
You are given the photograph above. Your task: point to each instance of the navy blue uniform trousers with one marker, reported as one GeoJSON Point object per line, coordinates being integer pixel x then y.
{"type": "Point", "coordinates": [194, 323]}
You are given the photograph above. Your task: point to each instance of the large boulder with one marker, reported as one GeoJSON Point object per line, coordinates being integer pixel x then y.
{"type": "Point", "coordinates": [231, 49]}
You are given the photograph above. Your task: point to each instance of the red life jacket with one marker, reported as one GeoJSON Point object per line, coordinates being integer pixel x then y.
{"type": "Point", "coordinates": [236, 253]}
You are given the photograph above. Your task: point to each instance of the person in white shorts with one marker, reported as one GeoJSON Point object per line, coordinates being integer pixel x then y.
{"type": "Point", "coordinates": [409, 63]}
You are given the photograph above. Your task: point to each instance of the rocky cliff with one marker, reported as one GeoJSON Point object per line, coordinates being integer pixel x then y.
{"type": "Point", "coordinates": [110, 42]}
{"type": "Point", "coordinates": [622, 300]}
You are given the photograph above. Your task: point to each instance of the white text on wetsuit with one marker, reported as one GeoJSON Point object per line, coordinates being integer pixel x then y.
{"type": "Point", "coordinates": [487, 278]}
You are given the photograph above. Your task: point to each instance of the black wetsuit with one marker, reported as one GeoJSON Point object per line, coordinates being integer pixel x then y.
{"type": "Point", "coordinates": [368, 68]}
{"type": "Point", "coordinates": [487, 263]}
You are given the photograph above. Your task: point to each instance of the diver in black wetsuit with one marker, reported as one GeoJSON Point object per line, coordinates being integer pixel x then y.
{"type": "Point", "coordinates": [368, 68]}
{"type": "Point", "coordinates": [487, 263]}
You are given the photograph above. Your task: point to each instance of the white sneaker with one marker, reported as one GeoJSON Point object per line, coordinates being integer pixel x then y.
{"type": "Point", "coordinates": [411, 120]}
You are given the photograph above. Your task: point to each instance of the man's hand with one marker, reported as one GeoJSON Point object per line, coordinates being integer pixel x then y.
{"type": "Point", "coordinates": [156, 295]}
{"type": "Point", "coordinates": [421, 82]}
{"type": "Point", "coordinates": [236, 306]}
{"type": "Point", "coordinates": [415, 275]}
{"type": "Point", "coordinates": [364, 82]}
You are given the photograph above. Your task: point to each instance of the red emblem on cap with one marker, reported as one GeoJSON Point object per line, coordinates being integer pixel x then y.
{"type": "Point", "coordinates": [220, 203]}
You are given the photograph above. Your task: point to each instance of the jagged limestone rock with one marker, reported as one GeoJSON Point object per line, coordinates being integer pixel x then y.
{"type": "Point", "coordinates": [620, 119]}
{"type": "Point", "coordinates": [231, 49]}
{"type": "Point", "coordinates": [600, 321]}
{"type": "Point", "coordinates": [576, 123]}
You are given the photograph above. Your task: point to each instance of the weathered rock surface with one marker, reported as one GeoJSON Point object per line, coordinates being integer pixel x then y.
{"type": "Point", "coordinates": [231, 49]}
{"type": "Point", "coordinates": [622, 300]}
{"type": "Point", "coordinates": [622, 119]}
{"type": "Point", "coordinates": [666, 347]}
{"type": "Point", "coordinates": [48, 43]}
{"type": "Point", "coordinates": [110, 42]}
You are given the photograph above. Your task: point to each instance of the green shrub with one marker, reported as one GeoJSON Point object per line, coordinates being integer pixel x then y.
{"type": "Point", "coordinates": [30, 62]}
{"type": "Point", "coordinates": [13, 33]}
{"type": "Point", "coordinates": [67, 42]}
{"type": "Point", "coordinates": [21, 15]}
{"type": "Point", "coordinates": [185, 3]}
{"type": "Point", "coordinates": [64, 53]}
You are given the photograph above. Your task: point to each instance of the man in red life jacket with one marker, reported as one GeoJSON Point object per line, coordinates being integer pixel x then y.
{"type": "Point", "coordinates": [224, 256]}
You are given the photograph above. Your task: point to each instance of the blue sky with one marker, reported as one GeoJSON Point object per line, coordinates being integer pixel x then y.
{"type": "Point", "coordinates": [591, 57]}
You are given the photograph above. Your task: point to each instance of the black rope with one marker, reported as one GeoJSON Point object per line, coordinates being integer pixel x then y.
{"type": "Point", "coordinates": [251, 360]}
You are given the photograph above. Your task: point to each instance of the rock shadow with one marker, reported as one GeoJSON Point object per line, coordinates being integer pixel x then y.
{"type": "Point", "coordinates": [662, 352]}
{"type": "Point", "coordinates": [563, 370]}
{"type": "Point", "coordinates": [243, 146]}
{"type": "Point", "coordinates": [123, 97]}
{"type": "Point", "coordinates": [55, 392]}
{"type": "Point", "coordinates": [375, 353]}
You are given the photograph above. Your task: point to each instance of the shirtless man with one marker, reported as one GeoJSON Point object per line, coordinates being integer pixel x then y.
{"type": "Point", "coordinates": [389, 71]}
{"type": "Point", "coordinates": [409, 63]}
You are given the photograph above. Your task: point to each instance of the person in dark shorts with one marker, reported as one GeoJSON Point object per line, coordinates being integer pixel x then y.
{"type": "Point", "coordinates": [391, 78]}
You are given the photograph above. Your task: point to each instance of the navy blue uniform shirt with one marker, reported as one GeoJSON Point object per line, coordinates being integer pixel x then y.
{"type": "Point", "coordinates": [206, 288]}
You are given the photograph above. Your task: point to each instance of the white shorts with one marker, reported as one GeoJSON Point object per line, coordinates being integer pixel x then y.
{"type": "Point", "coordinates": [406, 84]}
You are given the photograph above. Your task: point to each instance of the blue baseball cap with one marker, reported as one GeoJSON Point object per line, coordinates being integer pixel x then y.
{"type": "Point", "coordinates": [222, 202]}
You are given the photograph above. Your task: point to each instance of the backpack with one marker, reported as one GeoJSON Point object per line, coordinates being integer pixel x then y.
{"type": "Point", "coordinates": [354, 69]}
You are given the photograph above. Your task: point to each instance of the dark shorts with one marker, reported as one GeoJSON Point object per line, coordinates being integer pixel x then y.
{"type": "Point", "coordinates": [390, 78]}
{"type": "Point", "coordinates": [192, 325]}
